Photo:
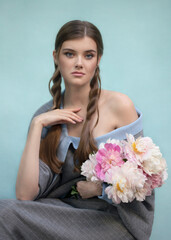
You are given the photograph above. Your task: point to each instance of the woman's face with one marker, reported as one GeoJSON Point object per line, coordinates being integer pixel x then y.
{"type": "Point", "coordinates": [77, 61]}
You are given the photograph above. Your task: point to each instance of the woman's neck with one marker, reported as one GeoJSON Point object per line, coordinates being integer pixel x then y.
{"type": "Point", "coordinates": [76, 97]}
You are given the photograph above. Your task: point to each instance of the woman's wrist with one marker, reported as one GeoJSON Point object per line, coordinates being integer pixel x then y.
{"type": "Point", "coordinates": [37, 122]}
{"type": "Point", "coordinates": [99, 189]}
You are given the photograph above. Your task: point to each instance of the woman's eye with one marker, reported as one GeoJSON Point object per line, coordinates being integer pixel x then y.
{"type": "Point", "coordinates": [69, 54]}
{"type": "Point", "coordinates": [89, 56]}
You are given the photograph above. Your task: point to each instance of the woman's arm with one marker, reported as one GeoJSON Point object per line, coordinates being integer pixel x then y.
{"type": "Point", "coordinates": [28, 174]}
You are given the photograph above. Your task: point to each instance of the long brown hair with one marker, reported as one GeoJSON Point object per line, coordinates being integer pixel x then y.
{"type": "Point", "coordinates": [73, 30]}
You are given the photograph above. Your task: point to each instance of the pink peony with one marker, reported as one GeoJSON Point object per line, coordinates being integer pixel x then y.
{"type": "Point", "coordinates": [113, 141]}
{"type": "Point", "coordinates": [157, 180]}
{"type": "Point", "coordinates": [107, 157]}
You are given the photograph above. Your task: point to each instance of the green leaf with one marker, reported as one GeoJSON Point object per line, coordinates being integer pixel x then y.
{"type": "Point", "coordinates": [125, 160]}
{"type": "Point", "coordinates": [74, 190]}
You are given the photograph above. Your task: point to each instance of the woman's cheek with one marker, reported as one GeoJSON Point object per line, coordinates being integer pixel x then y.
{"type": "Point", "coordinates": [92, 70]}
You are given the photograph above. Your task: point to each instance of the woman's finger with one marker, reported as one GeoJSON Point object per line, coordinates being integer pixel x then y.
{"type": "Point", "coordinates": [71, 114]}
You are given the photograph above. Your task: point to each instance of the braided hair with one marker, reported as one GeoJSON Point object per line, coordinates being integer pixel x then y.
{"type": "Point", "coordinates": [73, 30]}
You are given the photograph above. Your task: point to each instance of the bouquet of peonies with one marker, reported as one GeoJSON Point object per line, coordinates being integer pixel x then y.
{"type": "Point", "coordinates": [132, 168]}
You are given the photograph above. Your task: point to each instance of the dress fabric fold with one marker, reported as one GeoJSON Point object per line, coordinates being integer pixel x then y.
{"type": "Point", "coordinates": [55, 215]}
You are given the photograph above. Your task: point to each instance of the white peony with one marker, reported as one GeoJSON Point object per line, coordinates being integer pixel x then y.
{"type": "Point", "coordinates": [155, 163]}
{"type": "Point", "coordinates": [88, 168]}
{"type": "Point", "coordinates": [141, 147]}
{"type": "Point", "coordinates": [126, 181]}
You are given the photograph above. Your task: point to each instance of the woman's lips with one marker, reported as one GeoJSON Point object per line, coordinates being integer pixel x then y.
{"type": "Point", "coordinates": [78, 74]}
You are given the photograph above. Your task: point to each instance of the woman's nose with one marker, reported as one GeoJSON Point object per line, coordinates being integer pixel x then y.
{"type": "Point", "coordinates": [78, 63]}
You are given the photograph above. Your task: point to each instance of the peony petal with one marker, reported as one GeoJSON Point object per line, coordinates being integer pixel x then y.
{"type": "Point", "coordinates": [101, 152]}
{"type": "Point", "coordinates": [109, 146]}
{"type": "Point", "coordinates": [117, 148]}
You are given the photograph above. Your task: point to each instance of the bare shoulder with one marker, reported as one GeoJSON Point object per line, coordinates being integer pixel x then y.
{"type": "Point", "coordinates": [121, 107]}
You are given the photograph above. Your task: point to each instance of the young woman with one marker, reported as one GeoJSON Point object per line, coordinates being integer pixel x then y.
{"type": "Point", "coordinates": [62, 134]}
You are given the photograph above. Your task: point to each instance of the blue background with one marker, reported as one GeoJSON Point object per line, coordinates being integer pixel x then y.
{"type": "Point", "coordinates": [136, 61]}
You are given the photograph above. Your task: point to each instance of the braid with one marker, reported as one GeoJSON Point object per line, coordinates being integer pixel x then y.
{"type": "Point", "coordinates": [94, 95]}
{"type": "Point", "coordinates": [49, 144]}
{"type": "Point", "coordinates": [55, 90]}
{"type": "Point", "coordinates": [87, 144]}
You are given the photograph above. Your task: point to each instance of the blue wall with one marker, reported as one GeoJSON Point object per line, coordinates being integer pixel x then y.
{"type": "Point", "coordinates": [136, 61]}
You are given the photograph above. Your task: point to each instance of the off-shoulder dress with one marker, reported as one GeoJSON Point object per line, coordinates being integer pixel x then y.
{"type": "Point", "coordinates": [55, 215]}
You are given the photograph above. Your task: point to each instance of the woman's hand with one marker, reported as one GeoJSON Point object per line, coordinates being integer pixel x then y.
{"type": "Point", "coordinates": [89, 189]}
{"type": "Point", "coordinates": [59, 116]}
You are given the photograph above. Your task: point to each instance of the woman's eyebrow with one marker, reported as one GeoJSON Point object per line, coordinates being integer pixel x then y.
{"type": "Point", "coordinates": [91, 50]}
{"type": "Point", "coordinates": [69, 49]}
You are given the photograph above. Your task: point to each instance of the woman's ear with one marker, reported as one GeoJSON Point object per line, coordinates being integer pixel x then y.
{"type": "Point", "coordinates": [55, 57]}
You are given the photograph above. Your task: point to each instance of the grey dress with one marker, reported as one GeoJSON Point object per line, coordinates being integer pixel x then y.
{"type": "Point", "coordinates": [55, 215]}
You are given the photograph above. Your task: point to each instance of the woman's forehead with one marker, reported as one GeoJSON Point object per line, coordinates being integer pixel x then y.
{"type": "Point", "coordinates": [80, 44]}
